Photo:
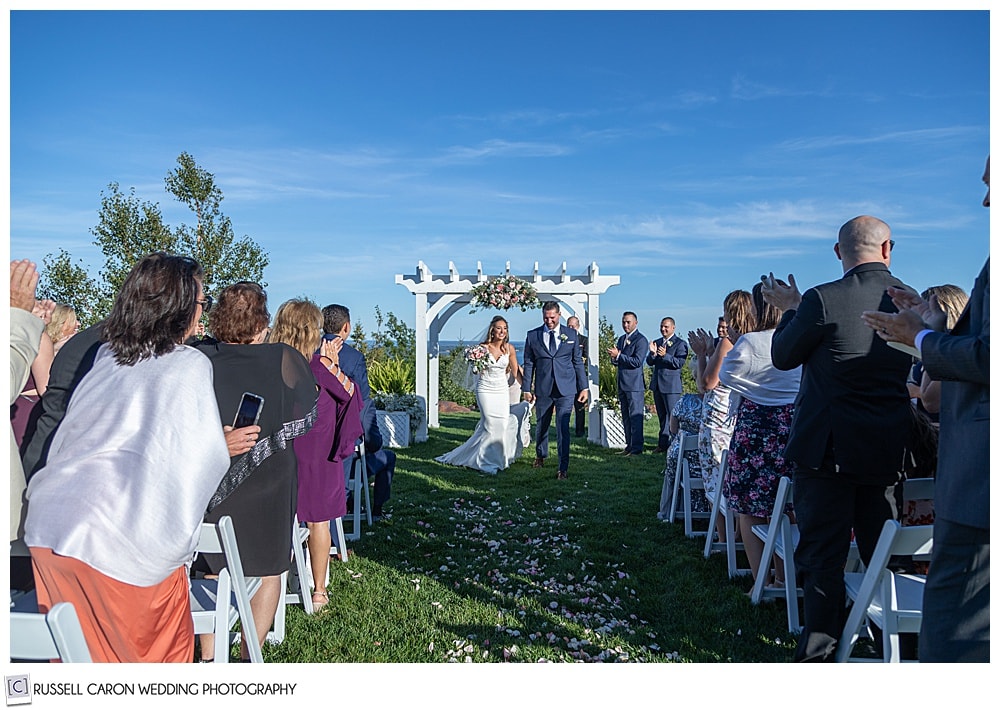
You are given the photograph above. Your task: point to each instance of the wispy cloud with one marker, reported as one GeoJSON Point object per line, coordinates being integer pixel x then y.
{"type": "Point", "coordinates": [921, 135]}
{"type": "Point", "coordinates": [499, 148]}
{"type": "Point", "coordinates": [743, 89]}
{"type": "Point", "coordinates": [695, 99]}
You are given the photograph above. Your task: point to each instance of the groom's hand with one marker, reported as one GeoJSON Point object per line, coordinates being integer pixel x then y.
{"type": "Point", "coordinates": [528, 397]}
{"type": "Point", "coordinates": [582, 397]}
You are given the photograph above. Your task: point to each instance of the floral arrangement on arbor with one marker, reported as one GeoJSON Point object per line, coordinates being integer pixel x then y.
{"type": "Point", "coordinates": [504, 292]}
{"type": "Point", "coordinates": [478, 358]}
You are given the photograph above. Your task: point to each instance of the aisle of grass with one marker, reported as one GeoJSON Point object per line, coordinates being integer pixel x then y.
{"type": "Point", "coordinates": [521, 567]}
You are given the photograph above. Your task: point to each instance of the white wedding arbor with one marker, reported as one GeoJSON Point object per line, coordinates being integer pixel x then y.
{"type": "Point", "coordinates": [439, 297]}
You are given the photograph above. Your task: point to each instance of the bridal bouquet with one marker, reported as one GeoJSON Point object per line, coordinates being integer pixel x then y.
{"type": "Point", "coordinates": [478, 358]}
{"type": "Point", "coordinates": [504, 292]}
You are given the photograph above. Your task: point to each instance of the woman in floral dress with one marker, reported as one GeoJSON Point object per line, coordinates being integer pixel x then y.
{"type": "Point", "coordinates": [767, 397]}
{"type": "Point", "coordinates": [718, 418]}
{"type": "Point", "coordinates": [686, 417]}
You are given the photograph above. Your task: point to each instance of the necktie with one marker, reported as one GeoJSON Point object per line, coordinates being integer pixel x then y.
{"type": "Point", "coordinates": [552, 342]}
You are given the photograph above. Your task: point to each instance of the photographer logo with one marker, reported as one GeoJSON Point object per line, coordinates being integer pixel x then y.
{"type": "Point", "coordinates": [18, 689]}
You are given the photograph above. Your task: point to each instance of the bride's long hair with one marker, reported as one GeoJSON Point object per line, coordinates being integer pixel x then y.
{"type": "Point", "coordinates": [488, 338]}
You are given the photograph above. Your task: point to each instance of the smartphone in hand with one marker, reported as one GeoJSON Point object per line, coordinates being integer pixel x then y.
{"type": "Point", "coordinates": [248, 413]}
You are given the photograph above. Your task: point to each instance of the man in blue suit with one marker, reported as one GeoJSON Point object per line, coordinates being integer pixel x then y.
{"type": "Point", "coordinates": [381, 462]}
{"type": "Point", "coordinates": [956, 611]}
{"type": "Point", "coordinates": [667, 355]}
{"type": "Point", "coordinates": [629, 356]}
{"type": "Point", "coordinates": [553, 378]}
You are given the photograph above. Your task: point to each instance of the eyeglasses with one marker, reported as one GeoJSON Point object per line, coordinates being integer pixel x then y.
{"type": "Point", "coordinates": [891, 244]}
{"type": "Point", "coordinates": [206, 303]}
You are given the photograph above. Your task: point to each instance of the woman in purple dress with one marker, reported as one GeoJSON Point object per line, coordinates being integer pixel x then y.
{"type": "Point", "coordinates": [321, 451]}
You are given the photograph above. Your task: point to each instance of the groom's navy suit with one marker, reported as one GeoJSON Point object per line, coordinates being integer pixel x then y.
{"type": "Point", "coordinates": [558, 378]}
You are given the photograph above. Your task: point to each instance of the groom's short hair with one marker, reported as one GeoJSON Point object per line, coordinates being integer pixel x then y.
{"type": "Point", "coordinates": [630, 313]}
{"type": "Point", "coordinates": [550, 306]}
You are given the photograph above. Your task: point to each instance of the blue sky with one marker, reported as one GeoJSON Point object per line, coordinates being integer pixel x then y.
{"type": "Point", "coordinates": [687, 152]}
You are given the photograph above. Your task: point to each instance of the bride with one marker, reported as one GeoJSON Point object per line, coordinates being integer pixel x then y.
{"type": "Point", "coordinates": [503, 429]}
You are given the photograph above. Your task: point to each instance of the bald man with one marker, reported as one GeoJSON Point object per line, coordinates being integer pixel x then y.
{"type": "Point", "coordinates": [851, 423]}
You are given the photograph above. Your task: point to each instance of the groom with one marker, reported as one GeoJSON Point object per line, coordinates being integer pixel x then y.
{"type": "Point", "coordinates": [552, 362]}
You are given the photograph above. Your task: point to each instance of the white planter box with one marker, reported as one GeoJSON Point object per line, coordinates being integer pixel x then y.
{"type": "Point", "coordinates": [612, 430]}
{"type": "Point", "coordinates": [395, 428]}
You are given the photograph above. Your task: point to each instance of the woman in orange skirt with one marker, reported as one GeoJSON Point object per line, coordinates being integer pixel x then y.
{"type": "Point", "coordinates": [114, 516]}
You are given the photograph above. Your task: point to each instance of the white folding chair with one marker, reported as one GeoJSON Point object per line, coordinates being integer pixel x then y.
{"type": "Point", "coordinates": [780, 539]}
{"type": "Point", "coordinates": [296, 586]}
{"type": "Point", "coordinates": [358, 485]}
{"type": "Point", "coordinates": [918, 489]}
{"type": "Point", "coordinates": [45, 637]}
{"type": "Point", "coordinates": [720, 508]}
{"type": "Point", "coordinates": [217, 604]}
{"type": "Point", "coordinates": [684, 483]}
{"type": "Point", "coordinates": [892, 601]}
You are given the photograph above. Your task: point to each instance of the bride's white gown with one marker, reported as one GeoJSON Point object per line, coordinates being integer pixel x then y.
{"type": "Point", "coordinates": [503, 429]}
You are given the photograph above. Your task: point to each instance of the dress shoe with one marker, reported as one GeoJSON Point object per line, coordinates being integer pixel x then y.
{"type": "Point", "coordinates": [659, 450]}
{"type": "Point", "coordinates": [624, 452]}
{"type": "Point", "coordinates": [561, 475]}
{"type": "Point", "coordinates": [538, 462]}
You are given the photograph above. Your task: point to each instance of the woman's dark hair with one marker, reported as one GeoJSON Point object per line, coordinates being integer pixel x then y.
{"type": "Point", "coordinates": [489, 331]}
{"type": "Point", "coordinates": [154, 308]}
{"type": "Point", "coordinates": [240, 313]}
{"type": "Point", "coordinates": [768, 316]}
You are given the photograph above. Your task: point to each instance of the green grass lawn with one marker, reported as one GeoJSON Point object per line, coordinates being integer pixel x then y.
{"type": "Point", "coordinates": [522, 567]}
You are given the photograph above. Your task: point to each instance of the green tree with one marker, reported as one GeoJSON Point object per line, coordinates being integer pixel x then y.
{"type": "Point", "coordinates": [129, 228]}
{"type": "Point", "coordinates": [607, 374]}
{"type": "Point", "coordinates": [211, 240]}
{"type": "Point", "coordinates": [393, 338]}
{"type": "Point", "coordinates": [688, 384]}
{"type": "Point", "coordinates": [69, 283]}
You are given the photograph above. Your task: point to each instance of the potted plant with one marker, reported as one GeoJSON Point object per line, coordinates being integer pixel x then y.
{"type": "Point", "coordinates": [612, 428]}
{"type": "Point", "coordinates": [398, 411]}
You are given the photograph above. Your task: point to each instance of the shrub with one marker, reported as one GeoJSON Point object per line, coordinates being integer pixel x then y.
{"type": "Point", "coordinates": [450, 387]}
{"type": "Point", "coordinates": [392, 376]}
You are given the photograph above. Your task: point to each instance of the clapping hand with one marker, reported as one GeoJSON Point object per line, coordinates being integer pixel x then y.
{"type": "Point", "coordinates": [44, 309]}
{"type": "Point", "coordinates": [330, 349]}
{"type": "Point", "coordinates": [701, 342]}
{"type": "Point", "coordinates": [23, 280]}
{"type": "Point", "coordinates": [930, 312]}
{"type": "Point", "coordinates": [915, 314]}
{"type": "Point", "coordinates": [781, 295]}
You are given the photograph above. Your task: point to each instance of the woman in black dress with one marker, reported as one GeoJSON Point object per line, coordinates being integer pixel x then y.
{"type": "Point", "coordinates": [259, 490]}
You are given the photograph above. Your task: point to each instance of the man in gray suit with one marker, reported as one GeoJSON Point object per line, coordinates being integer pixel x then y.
{"type": "Point", "coordinates": [851, 424]}
{"type": "Point", "coordinates": [956, 614]}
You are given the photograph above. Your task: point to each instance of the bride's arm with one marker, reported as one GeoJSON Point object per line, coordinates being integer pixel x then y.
{"type": "Point", "coordinates": [514, 367]}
